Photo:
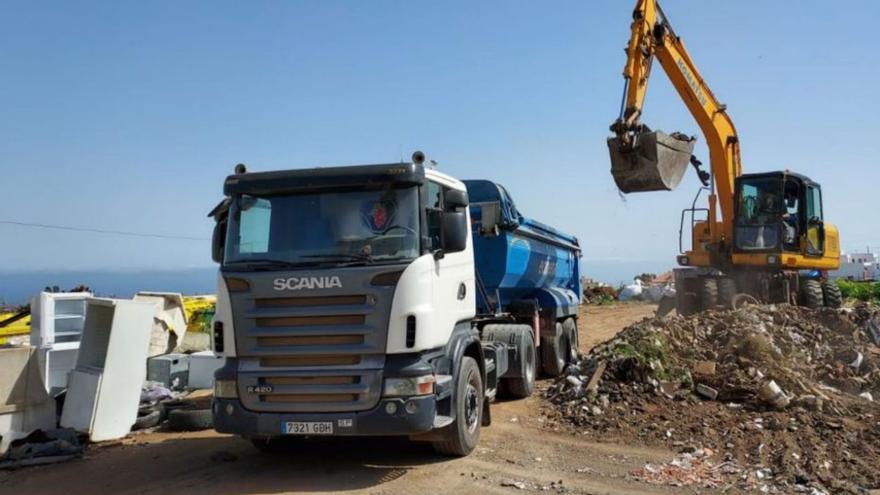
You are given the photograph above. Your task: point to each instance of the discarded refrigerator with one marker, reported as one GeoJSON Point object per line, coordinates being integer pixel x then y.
{"type": "Point", "coordinates": [104, 389]}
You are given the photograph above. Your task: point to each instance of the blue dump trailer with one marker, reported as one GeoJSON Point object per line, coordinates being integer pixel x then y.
{"type": "Point", "coordinates": [525, 270]}
{"type": "Point", "coordinates": [388, 299]}
{"type": "Point", "coordinates": [519, 259]}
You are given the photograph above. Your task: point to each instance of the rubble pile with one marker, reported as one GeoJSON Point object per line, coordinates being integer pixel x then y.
{"type": "Point", "coordinates": [785, 393]}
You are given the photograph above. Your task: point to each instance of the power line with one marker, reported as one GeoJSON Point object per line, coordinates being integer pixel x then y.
{"type": "Point", "coordinates": [101, 231]}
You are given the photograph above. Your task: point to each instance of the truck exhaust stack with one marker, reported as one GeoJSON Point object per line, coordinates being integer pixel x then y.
{"type": "Point", "coordinates": [651, 161]}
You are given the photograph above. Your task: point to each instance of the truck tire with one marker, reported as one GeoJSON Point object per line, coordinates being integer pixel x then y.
{"type": "Point", "coordinates": [811, 294]}
{"type": "Point", "coordinates": [461, 437]}
{"type": "Point", "coordinates": [726, 292]}
{"type": "Point", "coordinates": [831, 292]}
{"type": "Point", "coordinates": [569, 328]}
{"type": "Point", "coordinates": [553, 353]}
{"type": "Point", "coordinates": [708, 293]}
{"type": "Point", "coordinates": [520, 387]}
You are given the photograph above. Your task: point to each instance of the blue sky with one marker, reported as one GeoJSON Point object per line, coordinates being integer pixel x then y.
{"type": "Point", "coordinates": [128, 115]}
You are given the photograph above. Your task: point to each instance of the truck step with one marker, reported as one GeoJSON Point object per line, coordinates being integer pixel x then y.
{"type": "Point", "coordinates": [443, 386]}
{"type": "Point", "coordinates": [490, 394]}
{"type": "Point", "coordinates": [441, 421]}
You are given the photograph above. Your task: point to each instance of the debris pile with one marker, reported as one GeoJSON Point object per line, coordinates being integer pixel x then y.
{"type": "Point", "coordinates": [782, 391]}
{"type": "Point", "coordinates": [688, 468]}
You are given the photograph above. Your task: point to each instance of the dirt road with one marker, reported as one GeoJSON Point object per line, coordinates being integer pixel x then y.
{"type": "Point", "coordinates": [516, 449]}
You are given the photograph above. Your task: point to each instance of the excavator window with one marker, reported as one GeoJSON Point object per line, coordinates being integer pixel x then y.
{"type": "Point", "coordinates": [793, 216]}
{"type": "Point", "coordinates": [815, 227]}
{"type": "Point", "coordinates": [759, 210]}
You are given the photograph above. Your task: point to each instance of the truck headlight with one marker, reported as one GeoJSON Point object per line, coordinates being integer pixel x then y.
{"type": "Point", "coordinates": [772, 259]}
{"type": "Point", "coordinates": [225, 389]}
{"type": "Point", "coordinates": [683, 260]}
{"type": "Point", "coordinates": [407, 387]}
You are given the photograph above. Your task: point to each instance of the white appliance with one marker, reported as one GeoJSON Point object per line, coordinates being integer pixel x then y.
{"type": "Point", "coordinates": [104, 388]}
{"type": "Point", "coordinates": [201, 369]}
{"type": "Point", "coordinates": [57, 320]}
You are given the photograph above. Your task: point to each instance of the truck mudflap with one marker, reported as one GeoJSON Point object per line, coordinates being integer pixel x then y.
{"type": "Point", "coordinates": [410, 416]}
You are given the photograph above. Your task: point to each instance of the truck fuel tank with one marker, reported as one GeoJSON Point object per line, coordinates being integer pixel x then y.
{"type": "Point", "coordinates": [650, 161]}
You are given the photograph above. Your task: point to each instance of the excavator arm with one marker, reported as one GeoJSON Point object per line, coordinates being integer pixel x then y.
{"type": "Point", "coordinates": [652, 36]}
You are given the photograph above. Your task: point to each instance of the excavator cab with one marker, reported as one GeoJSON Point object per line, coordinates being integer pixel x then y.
{"type": "Point", "coordinates": [644, 161]}
{"type": "Point", "coordinates": [778, 212]}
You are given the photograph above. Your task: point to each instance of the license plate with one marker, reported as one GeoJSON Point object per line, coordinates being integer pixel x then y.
{"type": "Point", "coordinates": [307, 428]}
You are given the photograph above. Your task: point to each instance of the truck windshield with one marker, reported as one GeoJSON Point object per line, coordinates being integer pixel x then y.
{"type": "Point", "coordinates": [363, 226]}
{"type": "Point", "coordinates": [759, 214]}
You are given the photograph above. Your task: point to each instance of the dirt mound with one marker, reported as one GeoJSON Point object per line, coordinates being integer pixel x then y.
{"type": "Point", "coordinates": [782, 395]}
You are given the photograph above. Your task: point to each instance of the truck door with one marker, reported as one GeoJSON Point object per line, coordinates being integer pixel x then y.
{"type": "Point", "coordinates": [453, 277]}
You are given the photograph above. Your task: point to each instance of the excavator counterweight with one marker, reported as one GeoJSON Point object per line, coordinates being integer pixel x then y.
{"type": "Point", "coordinates": [649, 161]}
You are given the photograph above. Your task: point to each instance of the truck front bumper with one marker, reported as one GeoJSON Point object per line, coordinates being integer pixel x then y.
{"type": "Point", "coordinates": [231, 417]}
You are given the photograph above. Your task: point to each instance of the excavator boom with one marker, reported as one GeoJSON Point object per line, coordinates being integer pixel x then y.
{"type": "Point", "coordinates": [645, 160]}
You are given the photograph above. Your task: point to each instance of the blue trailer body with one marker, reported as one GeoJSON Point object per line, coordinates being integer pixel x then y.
{"type": "Point", "coordinates": [523, 259]}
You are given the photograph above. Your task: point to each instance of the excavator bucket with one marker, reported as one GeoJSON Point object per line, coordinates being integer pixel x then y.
{"type": "Point", "coordinates": [655, 162]}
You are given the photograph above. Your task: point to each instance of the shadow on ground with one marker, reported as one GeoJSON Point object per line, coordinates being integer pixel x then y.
{"type": "Point", "coordinates": [228, 465]}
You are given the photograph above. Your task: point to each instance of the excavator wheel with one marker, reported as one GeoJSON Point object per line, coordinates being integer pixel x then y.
{"type": "Point", "coordinates": [811, 294]}
{"type": "Point", "coordinates": [726, 292]}
{"type": "Point", "coordinates": [709, 293]}
{"type": "Point", "coordinates": [831, 294]}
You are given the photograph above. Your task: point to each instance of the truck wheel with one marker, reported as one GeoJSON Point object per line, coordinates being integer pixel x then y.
{"type": "Point", "coordinates": [726, 292]}
{"type": "Point", "coordinates": [520, 387]}
{"type": "Point", "coordinates": [569, 327]}
{"type": "Point", "coordinates": [831, 292]}
{"type": "Point", "coordinates": [553, 353]}
{"type": "Point", "coordinates": [811, 294]}
{"type": "Point", "coordinates": [709, 293]}
{"type": "Point", "coordinates": [461, 437]}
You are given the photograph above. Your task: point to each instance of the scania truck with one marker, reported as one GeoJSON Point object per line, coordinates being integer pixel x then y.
{"type": "Point", "coordinates": [383, 300]}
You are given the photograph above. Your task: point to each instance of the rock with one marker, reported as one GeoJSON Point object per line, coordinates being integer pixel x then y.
{"type": "Point", "coordinates": [704, 368]}
{"type": "Point", "coordinates": [574, 381]}
{"type": "Point", "coordinates": [707, 391]}
{"type": "Point", "coordinates": [519, 485]}
{"type": "Point", "coordinates": [668, 389]}
{"type": "Point", "coordinates": [773, 395]}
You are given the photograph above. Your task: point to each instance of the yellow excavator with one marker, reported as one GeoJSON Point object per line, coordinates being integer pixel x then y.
{"type": "Point", "coordinates": [769, 242]}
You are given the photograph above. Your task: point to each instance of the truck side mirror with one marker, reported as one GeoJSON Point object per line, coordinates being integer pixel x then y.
{"type": "Point", "coordinates": [455, 231]}
{"type": "Point", "coordinates": [218, 240]}
{"type": "Point", "coordinates": [455, 199]}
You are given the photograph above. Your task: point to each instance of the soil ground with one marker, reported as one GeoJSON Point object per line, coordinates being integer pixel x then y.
{"type": "Point", "coordinates": [516, 448]}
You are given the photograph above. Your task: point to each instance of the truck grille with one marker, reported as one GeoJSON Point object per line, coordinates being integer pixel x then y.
{"type": "Point", "coordinates": [312, 353]}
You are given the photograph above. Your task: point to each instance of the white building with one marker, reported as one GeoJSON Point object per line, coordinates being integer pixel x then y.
{"type": "Point", "coordinates": [858, 266]}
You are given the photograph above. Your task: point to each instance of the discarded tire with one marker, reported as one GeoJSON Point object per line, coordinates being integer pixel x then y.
{"type": "Point", "coordinates": [147, 418]}
{"type": "Point", "coordinates": [184, 419]}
